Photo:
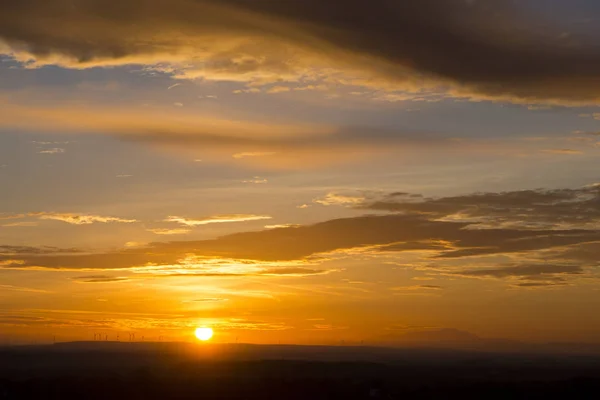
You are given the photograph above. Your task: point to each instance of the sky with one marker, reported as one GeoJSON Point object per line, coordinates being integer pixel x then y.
{"type": "Point", "coordinates": [299, 171]}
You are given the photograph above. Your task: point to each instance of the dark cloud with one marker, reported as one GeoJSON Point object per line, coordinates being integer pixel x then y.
{"type": "Point", "coordinates": [415, 246]}
{"type": "Point", "coordinates": [386, 233]}
{"type": "Point", "coordinates": [100, 279]}
{"type": "Point", "coordinates": [14, 250]}
{"type": "Point", "coordinates": [489, 242]}
{"type": "Point", "coordinates": [419, 287]}
{"type": "Point", "coordinates": [539, 284]}
{"type": "Point", "coordinates": [531, 270]}
{"type": "Point", "coordinates": [587, 253]}
{"type": "Point", "coordinates": [443, 230]}
{"type": "Point", "coordinates": [492, 48]}
{"type": "Point", "coordinates": [534, 209]}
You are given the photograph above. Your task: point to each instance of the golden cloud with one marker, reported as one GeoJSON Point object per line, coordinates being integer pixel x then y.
{"type": "Point", "coordinates": [454, 47]}
{"type": "Point", "coordinates": [217, 219]}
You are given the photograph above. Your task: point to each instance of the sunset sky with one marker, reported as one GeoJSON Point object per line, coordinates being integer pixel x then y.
{"type": "Point", "coordinates": [300, 171]}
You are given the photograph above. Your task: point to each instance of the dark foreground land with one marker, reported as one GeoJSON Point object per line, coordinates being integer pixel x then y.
{"type": "Point", "coordinates": [105, 370]}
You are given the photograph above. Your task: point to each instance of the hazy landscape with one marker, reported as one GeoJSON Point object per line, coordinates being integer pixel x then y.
{"type": "Point", "coordinates": [98, 370]}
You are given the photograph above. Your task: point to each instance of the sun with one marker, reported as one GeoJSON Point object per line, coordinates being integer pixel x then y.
{"type": "Point", "coordinates": [204, 334]}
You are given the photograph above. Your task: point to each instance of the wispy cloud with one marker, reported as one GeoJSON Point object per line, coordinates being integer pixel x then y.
{"type": "Point", "coordinates": [4, 216]}
{"type": "Point", "coordinates": [100, 279]}
{"type": "Point", "coordinates": [418, 287]}
{"type": "Point", "coordinates": [55, 150]}
{"type": "Point", "coordinates": [256, 180]}
{"type": "Point", "coordinates": [334, 199]}
{"type": "Point", "coordinates": [562, 151]}
{"type": "Point", "coordinates": [216, 219]}
{"type": "Point", "coordinates": [278, 89]}
{"type": "Point", "coordinates": [166, 231]}
{"type": "Point", "coordinates": [22, 289]}
{"type": "Point", "coordinates": [253, 154]}
{"type": "Point", "coordinates": [209, 300]}
{"type": "Point", "coordinates": [274, 145]}
{"type": "Point", "coordinates": [81, 219]}
{"type": "Point", "coordinates": [20, 224]}
{"type": "Point", "coordinates": [280, 226]}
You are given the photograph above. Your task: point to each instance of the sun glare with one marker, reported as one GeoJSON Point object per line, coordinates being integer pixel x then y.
{"type": "Point", "coordinates": [204, 334]}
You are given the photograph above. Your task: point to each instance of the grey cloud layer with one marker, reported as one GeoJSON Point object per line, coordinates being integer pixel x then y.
{"type": "Point", "coordinates": [392, 233]}
{"type": "Point", "coordinates": [567, 245]}
{"type": "Point", "coordinates": [561, 208]}
{"type": "Point", "coordinates": [488, 48]}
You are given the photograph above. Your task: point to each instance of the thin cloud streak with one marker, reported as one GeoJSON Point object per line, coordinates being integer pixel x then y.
{"type": "Point", "coordinates": [217, 219]}
{"type": "Point", "coordinates": [82, 219]}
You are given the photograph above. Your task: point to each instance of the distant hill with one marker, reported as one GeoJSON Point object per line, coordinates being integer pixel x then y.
{"type": "Point", "coordinates": [449, 338]}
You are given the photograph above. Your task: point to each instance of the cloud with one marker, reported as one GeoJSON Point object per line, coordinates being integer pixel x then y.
{"type": "Point", "coordinates": [278, 89]}
{"type": "Point", "coordinates": [135, 244]}
{"type": "Point", "coordinates": [334, 199]}
{"type": "Point", "coordinates": [280, 226]}
{"type": "Point", "coordinates": [453, 46]}
{"type": "Point", "coordinates": [327, 327]}
{"type": "Point", "coordinates": [252, 154]}
{"type": "Point", "coordinates": [562, 151]}
{"type": "Point", "coordinates": [190, 265]}
{"type": "Point", "coordinates": [210, 300]}
{"type": "Point", "coordinates": [256, 180]}
{"type": "Point", "coordinates": [5, 216]}
{"type": "Point", "coordinates": [20, 224]}
{"type": "Point", "coordinates": [55, 150]}
{"type": "Point", "coordinates": [166, 231]}
{"type": "Point", "coordinates": [217, 219]}
{"type": "Point", "coordinates": [100, 279]}
{"type": "Point", "coordinates": [16, 250]}
{"type": "Point", "coordinates": [529, 270]}
{"type": "Point", "coordinates": [71, 218]}
{"type": "Point", "coordinates": [298, 271]}
{"type": "Point", "coordinates": [531, 236]}
{"type": "Point", "coordinates": [251, 90]}
{"type": "Point", "coordinates": [22, 289]}
{"type": "Point", "coordinates": [524, 209]}
{"type": "Point", "coordinates": [537, 285]}
{"type": "Point", "coordinates": [121, 321]}
{"type": "Point", "coordinates": [81, 219]}
{"type": "Point", "coordinates": [595, 116]}
{"type": "Point", "coordinates": [529, 275]}
{"type": "Point", "coordinates": [251, 251]}
{"type": "Point", "coordinates": [298, 145]}
{"type": "Point", "coordinates": [418, 287]}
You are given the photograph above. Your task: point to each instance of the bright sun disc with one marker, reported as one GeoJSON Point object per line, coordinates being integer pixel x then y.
{"type": "Point", "coordinates": [204, 333]}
